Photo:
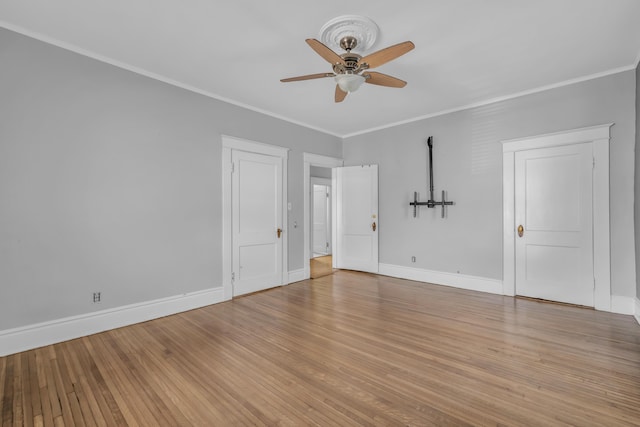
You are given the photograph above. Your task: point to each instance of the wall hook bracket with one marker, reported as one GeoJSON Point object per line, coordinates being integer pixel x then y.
{"type": "Point", "coordinates": [431, 203]}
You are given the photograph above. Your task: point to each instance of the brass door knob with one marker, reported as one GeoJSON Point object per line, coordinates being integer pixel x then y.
{"type": "Point", "coordinates": [520, 230]}
{"type": "Point", "coordinates": [279, 232]}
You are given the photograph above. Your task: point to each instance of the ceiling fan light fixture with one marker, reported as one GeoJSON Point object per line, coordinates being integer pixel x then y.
{"type": "Point", "coordinates": [349, 82]}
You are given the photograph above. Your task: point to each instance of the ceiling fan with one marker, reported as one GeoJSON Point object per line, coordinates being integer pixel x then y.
{"type": "Point", "coordinates": [351, 70]}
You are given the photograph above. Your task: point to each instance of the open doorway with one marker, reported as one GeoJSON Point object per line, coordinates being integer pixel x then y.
{"type": "Point", "coordinates": [321, 262]}
{"type": "Point", "coordinates": [322, 175]}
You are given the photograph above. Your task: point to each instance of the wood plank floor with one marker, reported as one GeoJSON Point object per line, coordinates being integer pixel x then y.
{"type": "Point", "coordinates": [346, 349]}
{"type": "Point", "coordinates": [321, 266]}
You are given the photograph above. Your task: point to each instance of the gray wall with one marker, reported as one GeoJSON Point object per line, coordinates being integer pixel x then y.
{"type": "Point", "coordinates": [111, 181]}
{"type": "Point", "coordinates": [468, 164]}
{"type": "Point", "coordinates": [320, 172]}
{"type": "Point", "coordinates": [637, 182]}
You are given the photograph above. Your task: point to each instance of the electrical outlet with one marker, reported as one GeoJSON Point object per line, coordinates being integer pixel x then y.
{"type": "Point", "coordinates": [413, 259]}
{"type": "Point", "coordinates": [96, 297]}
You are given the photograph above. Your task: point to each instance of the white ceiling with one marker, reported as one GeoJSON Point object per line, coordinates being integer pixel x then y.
{"type": "Point", "coordinates": [467, 52]}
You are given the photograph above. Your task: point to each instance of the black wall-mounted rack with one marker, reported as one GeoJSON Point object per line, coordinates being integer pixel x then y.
{"type": "Point", "coordinates": [431, 203]}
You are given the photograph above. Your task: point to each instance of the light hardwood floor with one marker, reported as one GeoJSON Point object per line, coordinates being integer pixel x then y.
{"type": "Point", "coordinates": [320, 266]}
{"type": "Point", "coordinates": [346, 349]}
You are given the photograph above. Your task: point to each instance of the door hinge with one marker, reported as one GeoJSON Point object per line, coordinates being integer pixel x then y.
{"type": "Point", "coordinates": [233, 167]}
{"type": "Point", "coordinates": [327, 245]}
{"type": "Point", "coordinates": [594, 283]}
{"type": "Point", "coordinates": [233, 277]}
{"type": "Point", "coordinates": [594, 163]}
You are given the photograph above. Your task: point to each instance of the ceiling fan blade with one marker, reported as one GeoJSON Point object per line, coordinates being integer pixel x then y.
{"type": "Point", "coordinates": [307, 77]}
{"type": "Point", "coordinates": [340, 94]}
{"type": "Point", "coordinates": [330, 56]}
{"type": "Point", "coordinates": [385, 55]}
{"type": "Point", "coordinates": [383, 80]}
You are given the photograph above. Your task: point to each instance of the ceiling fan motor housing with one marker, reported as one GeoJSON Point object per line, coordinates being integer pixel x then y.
{"type": "Point", "coordinates": [351, 64]}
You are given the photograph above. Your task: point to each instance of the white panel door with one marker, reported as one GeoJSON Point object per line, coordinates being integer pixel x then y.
{"type": "Point", "coordinates": [553, 214]}
{"type": "Point", "coordinates": [321, 219]}
{"type": "Point", "coordinates": [256, 193]}
{"type": "Point", "coordinates": [357, 218]}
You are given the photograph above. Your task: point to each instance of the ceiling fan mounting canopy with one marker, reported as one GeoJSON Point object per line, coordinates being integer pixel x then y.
{"type": "Point", "coordinates": [363, 29]}
{"type": "Point", "coordinates": [351, 69]}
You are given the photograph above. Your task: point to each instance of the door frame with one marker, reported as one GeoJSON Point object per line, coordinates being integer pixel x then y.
{"type": "Point", "coordinates": [230, 143]}
{"type": "Point", "coordinates": [310, 159]}
{"type": "Point", "coordinates": [599, 137]}
{"type": "Point", "coordinates": [327, 183]}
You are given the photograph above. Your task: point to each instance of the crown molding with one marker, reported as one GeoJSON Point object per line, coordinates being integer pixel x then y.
{"type": "Point", "coordinates": [497, 99]}
{"type": "Point", "coordinates": [176, 83]}
{"type": "Point", "coordinates": [155, 76]}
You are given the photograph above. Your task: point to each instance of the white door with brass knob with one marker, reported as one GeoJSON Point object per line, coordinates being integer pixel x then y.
{"type": "Point", "coordinates": [357, 224]}
{"type": "Point", "coordinates": [257, 219]}
{"type": "Point", "coordinates": [553, 224]}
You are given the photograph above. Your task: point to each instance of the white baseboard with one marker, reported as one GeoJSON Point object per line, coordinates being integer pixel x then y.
{"type": "Point", "coordinates": [462, 281]}
{"type": "Point", "coordinates": [637, 311]}
{"type": "Point", "coordinates": [622, 305]}
{"type": "Point", "coordinates": [55, 331]}
{"type": "Point", "coordinates": [296, 276]}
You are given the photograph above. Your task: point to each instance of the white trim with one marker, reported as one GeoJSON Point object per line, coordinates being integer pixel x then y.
{"type": "Point", "coordinates": [508, 221]}
{"type": "Point", "coordinates": [601, 227]}
{"type": "Point", "coordinates": [230, 143]}
{"type": "Point", "coordinates": [495, 100]}
{"type": "Point", "coordinates": [242, 144]}
{"type": "Point", "coordinates": [227, 248]}
{"type": "Point", "coordinates": [462, 281]}
{"type": "Point", "coordinates": [322, 161]}
{"type": "Point", "coordinates": [334, 217]}
{"type": "Point", "coordinates": [154, 76]}
{"type": "Point", "coordinates": [556, 139]}
{"type": "Point", "coordinates": [310, 159]}
{"type": "Point", "coordinates": [46, 333]}
{"type": "Point", "coordinates": [296, 276]}
{"type": "Point", "coordinates": [622, 305]}
{"type": "Point", "coordinates": [599, 136]}
{"type": "Point", "coordinates": [637, 310]}
{"type": "Point", "coordinates": [320, 181]}
{"type": "Point", "coordinates": [328, 183]}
